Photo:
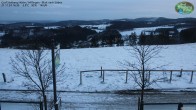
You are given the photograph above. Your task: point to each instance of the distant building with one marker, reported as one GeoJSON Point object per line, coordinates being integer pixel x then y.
{"type": "Point", "coordinates": [171, 32]}
{"type": "Point", "coordinates": [2, 33]}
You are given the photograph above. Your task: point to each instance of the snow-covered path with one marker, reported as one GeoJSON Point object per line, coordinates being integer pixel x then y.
{"type": "Point", "coordinates": [109, 101]}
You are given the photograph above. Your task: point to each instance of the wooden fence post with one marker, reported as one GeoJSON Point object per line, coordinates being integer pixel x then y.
{"type": "Point", "coordinates": [101, 72]}
{"type": "Point", "coordinates": [80, 78]}
{"type": "Point", "coordinates": [149, 76]}
{"type": "Point", "coordinates": [191, 77]}
{"type": "Point", "coordinates": [170, 76]}
{"type": "Point", "coordinates": [180, 73]}
{"type": "Point", "coordinates": [103, 76]}
{"type": "Point", "coordinates": [126, 76]}
{"type": "Point", "coordinates": [4, 77]}
{"type": "Point", "coordinates": [60, 104]}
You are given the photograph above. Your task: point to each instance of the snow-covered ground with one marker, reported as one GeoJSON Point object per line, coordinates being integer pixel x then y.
{"type": "Point", "coordinates": [17, 106]}
{"type": "Point", "coordinates": [76, 60]}
{"type": "Point", "coordinates": [97, 28]}
{"type": "Point", "coordinates": [52, 27]}
{"type": "Point", "coordinates": [139, 30]}
{"type": "Point", "coordinates": [168, 107]}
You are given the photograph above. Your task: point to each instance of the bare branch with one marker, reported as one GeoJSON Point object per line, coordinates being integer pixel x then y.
{"type": "Point", "coordinates": [143, 55]}
{"type": "Point", "coordinates": [35, 67]}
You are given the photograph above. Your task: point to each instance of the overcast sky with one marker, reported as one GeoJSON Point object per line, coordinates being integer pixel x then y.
{"type": "Point", "coordinates": [94, 9]}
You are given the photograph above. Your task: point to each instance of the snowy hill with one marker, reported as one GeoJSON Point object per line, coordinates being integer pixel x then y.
{"type": "Point", "coordinates": [138, 31]}
{"type": "Point", "coordinates": [76, 60]}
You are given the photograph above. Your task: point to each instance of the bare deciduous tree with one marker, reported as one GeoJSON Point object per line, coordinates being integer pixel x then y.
{"type": "Point", "coordinates": [35, 67]}
{"type": "Point", "coordinates": [143, 55]}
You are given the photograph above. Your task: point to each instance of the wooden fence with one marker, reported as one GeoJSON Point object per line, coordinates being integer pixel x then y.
{"type": "Point", "coordinates": [102, 73]}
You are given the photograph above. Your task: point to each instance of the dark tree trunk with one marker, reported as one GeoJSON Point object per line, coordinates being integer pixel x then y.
{"type": "Point", "coordinates": [143, 86]}
{"type": "Point", "coordinates": [45, 100]}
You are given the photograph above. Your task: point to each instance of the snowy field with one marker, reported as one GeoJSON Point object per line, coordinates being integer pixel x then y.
{"type": "Point", "coordinates": [174, 57]}
{"type": "Point", "coordinates": [139, 30]}
{"type": "Point", "coordinates": [97, 28]}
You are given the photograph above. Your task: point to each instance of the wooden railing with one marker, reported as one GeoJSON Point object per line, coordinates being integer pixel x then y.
{"type": "Point", "coordinates": [102, 73]}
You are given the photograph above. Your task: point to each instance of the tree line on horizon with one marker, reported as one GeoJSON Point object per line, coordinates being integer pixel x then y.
{"type": "Point", "coordinates": [78, 37]}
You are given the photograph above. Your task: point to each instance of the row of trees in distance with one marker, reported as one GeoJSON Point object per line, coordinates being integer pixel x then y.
{"type": "Point", "coordinates": [77, 37]}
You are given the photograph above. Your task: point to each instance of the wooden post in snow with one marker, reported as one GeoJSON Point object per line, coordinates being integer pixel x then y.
{"type": "Point", "coordinates": [80, 78]}
{"type": "Point", "coordinates": [149, 76]}
{"type": "Point", "coordinates": [126, 76]}
{"type": "Point", "coordinates": [191, 77]}
{"type": "Point", "coordinates": [103, 76]}
{"type": "Point", "coordinates": [180, 73]}
{"type": "Point", "coordinates": [4, 77]}
{"type": "Point", "coordinates": [170, 76]}
{"type": "Point", "coordinates": [101, 72]}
